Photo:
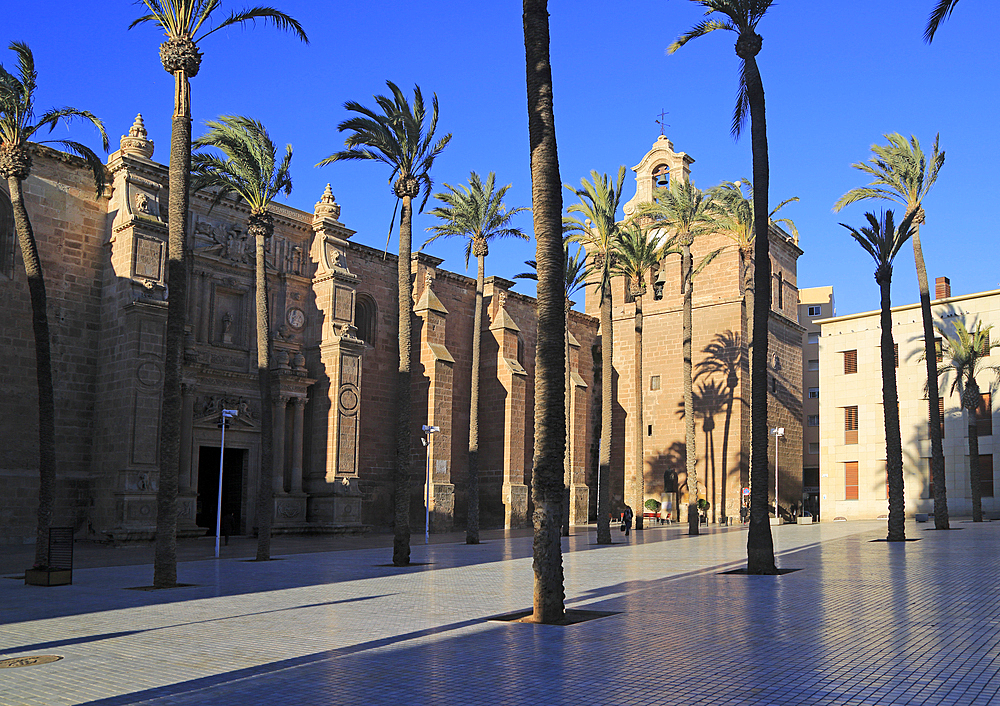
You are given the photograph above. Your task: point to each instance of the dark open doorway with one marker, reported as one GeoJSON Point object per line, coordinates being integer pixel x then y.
{"type": "Point", "coordinates": [232, 487]}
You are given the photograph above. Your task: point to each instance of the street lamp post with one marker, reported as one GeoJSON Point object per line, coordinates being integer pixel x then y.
{"type": "Point", "coordinates": [227, 414]}
{"type": "Point", "coordinates": [778, 433]}
{"type": "Point", "coordinates": [426, 441]}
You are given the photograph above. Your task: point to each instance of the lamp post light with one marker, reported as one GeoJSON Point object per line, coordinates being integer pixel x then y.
{"type": "Point", "coordinates": [778, 433]}
{"type": "Point", "coordinates": [426, 441]}
{"type": "Point", "coordinates": [227, 414]}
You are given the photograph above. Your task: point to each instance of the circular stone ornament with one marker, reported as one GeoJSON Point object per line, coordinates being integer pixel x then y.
{"type": "Point", "coordinates": [296, 318]}
{"type": "Point", "coordinates": [29, 661]}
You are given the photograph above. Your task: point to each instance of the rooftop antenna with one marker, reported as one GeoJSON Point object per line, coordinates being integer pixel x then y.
{"type": "Point", "coordinates": [662, 121]}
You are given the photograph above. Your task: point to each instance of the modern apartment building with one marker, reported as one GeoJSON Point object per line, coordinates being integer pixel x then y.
{"type": "Point", "coordinates": [852, 434]}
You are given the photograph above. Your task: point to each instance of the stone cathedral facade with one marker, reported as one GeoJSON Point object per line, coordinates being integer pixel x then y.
{"type": "Point", "coordinates": [333, 336]}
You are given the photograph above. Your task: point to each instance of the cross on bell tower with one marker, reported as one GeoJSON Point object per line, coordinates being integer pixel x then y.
{"type": "Point", "coordinates": [662, 122]}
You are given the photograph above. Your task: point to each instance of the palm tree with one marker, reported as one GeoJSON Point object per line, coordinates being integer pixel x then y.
{"type": "Point", "coordinates": [575, 280]}
{"type": "Point", "coordinates": [735, 220]}
{"type": "Point", "coordinates": [251, 172]}
{"type": "Point", "coordinates": [599, 230]}
{"type": "Point", "coordinates": [476, 213]}
{"type": "Point", "coordinates": [17, 126]}
{"type": "Point", "coordinates": [550, 420]}
{"type": "Point", "coordinates": [882, 240]}
{"type": "Point", "coordinates": [903, 173]}
{"type": "Point", "coordinates": [682, 210]}
{"type": "Point", "coordinates": [742, 17]}
{"type": "Point", "coordinates": [939, 14]}
{"type": "Point", "coordinates": [637, 252]}
{"type": "Point", "coordinates": [185, 24]}
{"type": "Point", "coordinates": [402, 137]}
{"type": "Point", "coordinates": [966, 351]}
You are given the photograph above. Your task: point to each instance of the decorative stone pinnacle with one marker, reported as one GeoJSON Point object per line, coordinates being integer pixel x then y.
{"type": "Point", "coordinates": [138, 128]}
{"type": "Point", "coordinates": [136, 142]}
{"type": "Point", "coordinates": [327, 207]}
{"type": "Point", "coordinates": [501, 299]}
{"type": "Point", "coordinates": [428, 278]}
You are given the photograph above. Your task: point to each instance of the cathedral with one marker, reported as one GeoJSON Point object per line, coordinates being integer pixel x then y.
{"type": "Point", "coordinates": [333, 336]}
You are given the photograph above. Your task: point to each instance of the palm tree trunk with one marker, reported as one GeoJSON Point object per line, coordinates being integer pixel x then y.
{"type": "Point", "coordinates": [639, 487]}
{"type": "Point", "coordinates": [43, 371]}
{"type": "Point", "coordinates": [472, 526]}
{"type": "Point", "coordinates": [401, 538]}
{"type": "Point", "coordinates": [604, 464]}
{"type": "Point", "coordinates": [690, 454]}
{"type": "Point", "coordinates": [760, 545]}
{"type": "Point", "coordinates": [165, 556]}
{"type": "Point", "coordinates": [934, 414]}
{"type": "Point", "coordinates": [890, 407]}
{"type": "Point", "coordinates": [975, 481]}
{"type": "Point", "coordinates": [265, 493]}
{"type": "Point", "coordinates": [550, 418]}
{"type": "Point", "coordinates": [747, 340]}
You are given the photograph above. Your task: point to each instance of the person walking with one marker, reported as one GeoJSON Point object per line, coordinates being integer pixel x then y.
{"type": "Point", "coordinates": [627, 520]}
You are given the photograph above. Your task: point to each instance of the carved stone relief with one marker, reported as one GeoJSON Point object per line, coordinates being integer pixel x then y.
{"type": "Point", "coordinates": [214, 404]}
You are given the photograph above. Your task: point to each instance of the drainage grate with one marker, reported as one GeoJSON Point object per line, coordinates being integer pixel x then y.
{"type": "Point", "coordinates": [29, 661]}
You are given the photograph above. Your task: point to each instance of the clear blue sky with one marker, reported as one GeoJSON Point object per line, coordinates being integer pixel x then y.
{"type": "Point", "coordinates": [837, 75]}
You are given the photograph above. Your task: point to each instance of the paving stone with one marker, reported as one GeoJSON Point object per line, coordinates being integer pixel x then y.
{"type": "Point", "coordinates": [860, 623]}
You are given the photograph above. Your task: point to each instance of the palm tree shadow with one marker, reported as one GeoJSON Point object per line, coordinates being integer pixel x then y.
{"type": "Point", "coordinates": [724, 358]}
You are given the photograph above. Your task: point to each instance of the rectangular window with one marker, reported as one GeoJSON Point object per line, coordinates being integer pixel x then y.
{"type": "Point", "coordinates": [813, 420]}
{"type": "Point", "coordinates": [850, 362]}
{"type": "Point", "coordinates": [985, 350]}
{"type": "Point", "coordinates": [851, 480]}
{"type": "Point", "coordinates": [813, 365]}
{"type": "Point", "coordinates": [814, 393]}
{"type": "Point", "coordinates": [815, 310]}
{"type": "Point", "coordinates": [654, 382]}
{"type": "Point", "coordinates": [812, 337]}
{"type": "Point", "coordinates": [986, 474]}
{"type": "Point", "coordinates": [938, 350]}
{"type": "Point", "coordinates": [850, 425]}
{"type": "Point", "coordinates": [895, 353]}
{"type": "Point", "coordinates": [984, 416]}
{"type": "Point", "coordinates": [814, 448]}
{"type": "Point", "coordinates": [941, 414]}
{"type": "Point", "coordinates": [774, 385]}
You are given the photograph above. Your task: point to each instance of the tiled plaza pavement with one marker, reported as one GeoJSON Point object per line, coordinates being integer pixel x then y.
{"type": "Point", "coordinates": [860, 622]}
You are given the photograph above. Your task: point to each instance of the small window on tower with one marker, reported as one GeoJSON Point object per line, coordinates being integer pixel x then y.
{"type": "Point", "coordinates": [654, 382]}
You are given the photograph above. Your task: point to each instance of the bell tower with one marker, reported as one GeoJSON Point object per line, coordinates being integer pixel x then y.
{"type": "Point", "coordinates": [657, 168]}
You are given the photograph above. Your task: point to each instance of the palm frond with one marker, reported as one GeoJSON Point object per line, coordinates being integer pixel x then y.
{"type": "Point", "coordinates": [474, 212]}
{"type": "Point", "coordinates": [882, 239]}
{"type": "Point", "coordinates": [699, 30]}
{"type": "Point", "coordinates": [248, 165]}
{"type": "Point", "coordinates": [400, 136]}
{"type": "Point", "coordinates": [939, 14]}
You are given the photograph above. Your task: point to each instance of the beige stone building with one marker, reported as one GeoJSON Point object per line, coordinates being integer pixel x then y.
{"type": "Point", "coordinates": [333, 335]}
{"type": "Point", "coordinates": [815, 303]}
{"type": "Point", "coordinates": [721, 385]}
{"type": "Point", "coordinates": [852, 432]}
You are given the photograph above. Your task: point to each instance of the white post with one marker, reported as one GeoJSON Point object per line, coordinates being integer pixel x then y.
{"type": "Point", "coordinates": [227, 414]}
{"type": "Point", "coordinates": [430, 431]}
{"type": "Point", "coordinates": [778, 433]}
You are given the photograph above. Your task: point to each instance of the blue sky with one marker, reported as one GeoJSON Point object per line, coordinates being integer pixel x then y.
{"type": "Point", "coordinates": [837, 75]}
